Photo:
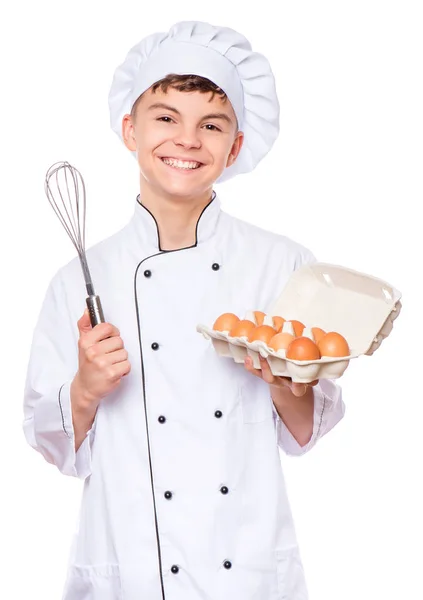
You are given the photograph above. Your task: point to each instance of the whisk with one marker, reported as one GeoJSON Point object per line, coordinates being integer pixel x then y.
{"type": "Point", "coordinates": [65, 190]}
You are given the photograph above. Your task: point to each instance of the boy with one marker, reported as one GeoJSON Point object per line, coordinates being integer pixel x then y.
{"type": "Point", "coordinates": [184, 497]}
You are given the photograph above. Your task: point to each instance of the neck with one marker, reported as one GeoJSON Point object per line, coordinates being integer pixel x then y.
{"type": "Point", "coordinates": [176, 216]}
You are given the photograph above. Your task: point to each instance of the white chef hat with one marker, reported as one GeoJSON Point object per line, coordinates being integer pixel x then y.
{"type": "Point", "coordinates": [219, 54]}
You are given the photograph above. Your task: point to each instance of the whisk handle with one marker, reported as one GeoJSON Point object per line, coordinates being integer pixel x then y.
{"type": "Point", "coordinates": [95, 309]}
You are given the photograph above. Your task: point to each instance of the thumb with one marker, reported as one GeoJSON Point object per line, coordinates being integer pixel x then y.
{"type": "Point", "coordinates": [84, 323]}
{"type": "Point", "coordinates": [298, 389]}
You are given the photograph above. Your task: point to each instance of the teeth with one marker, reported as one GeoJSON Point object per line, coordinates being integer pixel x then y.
{"type": "Point", "coordinates": [180, 164]}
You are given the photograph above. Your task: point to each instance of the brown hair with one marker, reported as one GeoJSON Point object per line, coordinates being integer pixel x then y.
{"type": "Point", "coordinates": [184, 83]}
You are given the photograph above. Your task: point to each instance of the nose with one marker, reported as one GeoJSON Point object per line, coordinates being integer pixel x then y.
{"type": "Point", "coordinates": [188, 137]}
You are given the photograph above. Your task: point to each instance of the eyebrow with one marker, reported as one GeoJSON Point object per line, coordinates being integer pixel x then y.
{"type": "Point", "coordinates": [218, 115]}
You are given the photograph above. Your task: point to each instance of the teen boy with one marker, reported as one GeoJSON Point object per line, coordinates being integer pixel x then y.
{"type": "Point", "coordinates": [184, 497]}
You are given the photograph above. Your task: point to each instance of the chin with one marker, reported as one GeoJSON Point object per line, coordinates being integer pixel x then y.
{"type": "Point", "coordinates": [184, 188]}
{"type": "Point", "coordinates": [183, 191]}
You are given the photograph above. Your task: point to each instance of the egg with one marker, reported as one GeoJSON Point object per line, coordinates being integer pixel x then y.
{"type": "Point", "coordinates": [298, 328]}
{"type": "Point", "coordinates": [333, 344]}
{"type": "Point", "coordinates": [242, 329]}
{"type": "Point", "coordinates": [278, 323]}
{"type": "Point", "coordinates": [280, 341]}
{"type": "Point", "coordinates": [303, 348]}
{"type": "Point", "coordinates": [225, 322]}
{"type": "Point", "coordinates": [259, 316]}
{"type": "Point", "coordinates": [263, 333]}
{"type": "Point", "coordinates": [317, 334]}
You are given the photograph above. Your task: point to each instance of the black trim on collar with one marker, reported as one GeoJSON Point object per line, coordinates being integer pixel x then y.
{"type": "Point", "coordinates": [196, 227]}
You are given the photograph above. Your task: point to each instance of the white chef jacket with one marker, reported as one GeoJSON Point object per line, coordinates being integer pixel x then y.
{"type": "Point", "coordinates": [184, 497]}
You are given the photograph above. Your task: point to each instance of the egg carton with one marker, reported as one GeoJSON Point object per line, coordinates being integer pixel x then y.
{"type": "Point", "coordinates": [360, 307]}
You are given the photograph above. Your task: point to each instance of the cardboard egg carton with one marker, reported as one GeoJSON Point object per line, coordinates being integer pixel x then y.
{"type": "Point", "coordinates": [360, 307]}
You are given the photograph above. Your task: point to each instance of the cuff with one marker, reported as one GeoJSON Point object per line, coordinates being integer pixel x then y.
{"type": "Point", "coordinates": [55, 436]}
{"type": "Point", "coordinates": [81, 459]}
{"type": "Point", "coordinates": [323, 406]}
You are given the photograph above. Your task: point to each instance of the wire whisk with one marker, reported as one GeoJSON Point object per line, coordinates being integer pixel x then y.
{"type": "Point", "coordinates": [65, 189]}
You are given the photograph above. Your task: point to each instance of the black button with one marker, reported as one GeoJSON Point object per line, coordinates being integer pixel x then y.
{"type": "Point", "coordinates": [155, 346]}
{"type": "Point", "coordinates": [147, 273]}
{"type": "Point", "coordinates": [168, 495]}
{"type": "Point", "coordinates": [227, 564]}
{"type": "Point", "coordinates": [218, 414]}
{"type": "Point", "coordinates": [162, 419]}
{"type": "Point", "coordinates": [215, 267]}
{"type": "Point", "coordinates": [224, 489]}
{"type": "Point", "coordinates": [175, 569]}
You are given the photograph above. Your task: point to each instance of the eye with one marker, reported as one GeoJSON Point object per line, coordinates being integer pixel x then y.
{"type": "Point", "coordinates": [214, 128]}
{"type": "Point", "coordinates": [163, 119]}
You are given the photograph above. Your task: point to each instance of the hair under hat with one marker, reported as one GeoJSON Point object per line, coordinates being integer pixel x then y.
{"type": "Point", "coordinates": [217, 53]}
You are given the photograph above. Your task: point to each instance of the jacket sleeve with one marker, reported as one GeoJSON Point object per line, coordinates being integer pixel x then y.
{"type": "Point", "coordinates": [329, 409]}
{"type": "Point", "coordinates": [48, 426]}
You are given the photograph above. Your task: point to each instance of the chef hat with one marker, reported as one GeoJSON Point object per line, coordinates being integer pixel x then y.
{"type": "Point", "coordinates": [219, 54]}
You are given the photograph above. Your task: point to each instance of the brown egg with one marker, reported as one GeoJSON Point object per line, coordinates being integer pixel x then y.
{"type": "Point", "coordinates": [298, 328]}
{"type": "Point", "coordinates": [278, 323]}
{"type": "Point", "coordinates": [303, 348]}
{"type": "Point", "coordinates": [259, 317]}
{"type": "Point", "coordinates": [225, 322]}
{"type": "Point", "coordinates": [317, 333]}
{"type": "Point", "coordinates": [333, 344]}
{"type": "Point", "coordinates": [264, 333]}
{"type": "Point", "coordinates": [281, 341]}
{"type": "Point", "coordinates": [242, 328]}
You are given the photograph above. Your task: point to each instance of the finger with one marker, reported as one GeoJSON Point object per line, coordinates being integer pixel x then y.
{"type": "Point", "coordinates": [284, 381]}
{"type": "Point", "coordinates": [110, 344]}
{"type": "Point", "coordinates": [298, 389]}
{"type": "Point", "coordinates": [267, 374]}
{"type": "Point", "coordinates": [102, 331]}
{"type": "Point", "coordinates": [118, 356]}
{"type": "Point", "coordinates": [107, 351]}
{"type": "Point", "coordinates": [84, 323]}
{"type": "Point", "coordinates": [120, 369]}
{"type": "Point", "coordinates": [248, 363]}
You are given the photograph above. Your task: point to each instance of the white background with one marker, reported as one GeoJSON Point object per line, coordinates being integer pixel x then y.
{"type": "Point", "coordinates": [344, 179]}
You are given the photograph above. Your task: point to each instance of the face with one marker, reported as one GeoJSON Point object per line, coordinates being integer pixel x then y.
{"type": "Point", "coordinates": [184, 140]}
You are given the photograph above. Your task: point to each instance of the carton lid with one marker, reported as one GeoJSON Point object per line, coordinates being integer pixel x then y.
{"type": "Point", "coordinates": [356, 305]}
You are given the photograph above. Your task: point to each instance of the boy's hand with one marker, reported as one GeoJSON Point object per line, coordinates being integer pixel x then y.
{"type": "Point", "coordinates": [103, 361]}
{"type": "Point", "coordinates": [298, 389]}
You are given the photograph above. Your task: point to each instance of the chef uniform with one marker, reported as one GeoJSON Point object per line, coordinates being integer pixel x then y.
{"type": "Point", "coordinates": [184, 497]}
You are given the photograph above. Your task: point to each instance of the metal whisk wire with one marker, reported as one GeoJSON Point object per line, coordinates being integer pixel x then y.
{"type": "Point", "coordinates": [65, 189]}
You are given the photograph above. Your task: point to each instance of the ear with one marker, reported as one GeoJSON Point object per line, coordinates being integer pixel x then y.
{"type": "Point", "coordinates": [236, 148]}
{"type": "Point", "coordinates": [128, 133]}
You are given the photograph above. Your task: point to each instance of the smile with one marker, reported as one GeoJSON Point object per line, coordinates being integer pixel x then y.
{"type": "Point", "coordinates": [181, 164]}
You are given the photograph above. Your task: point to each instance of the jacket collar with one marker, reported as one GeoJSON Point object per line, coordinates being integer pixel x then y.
{"type": "Point", "coordinates": [146, 227]}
